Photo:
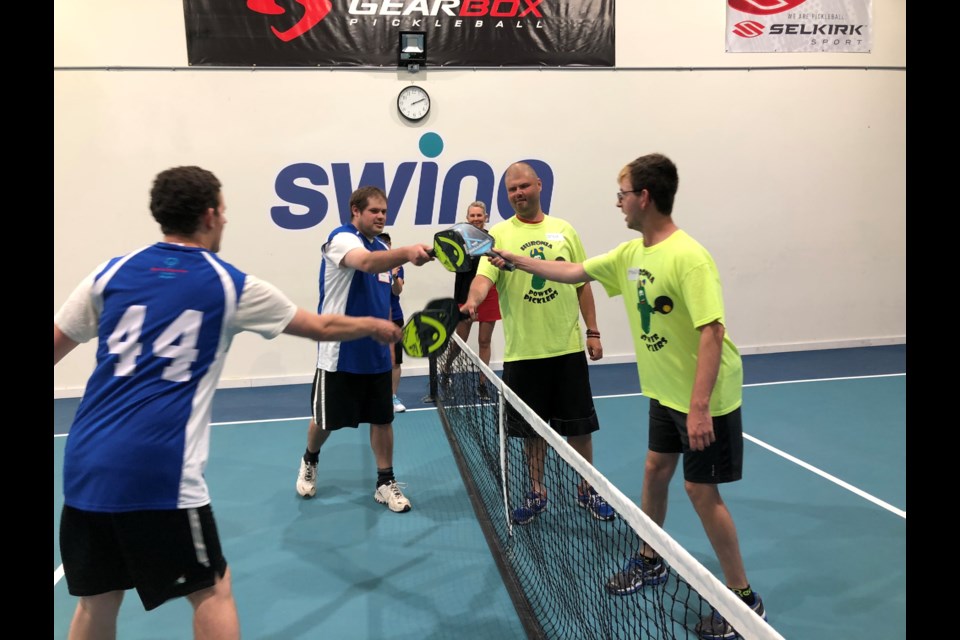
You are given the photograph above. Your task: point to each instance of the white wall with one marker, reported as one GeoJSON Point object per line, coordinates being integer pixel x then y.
{"type": "Point", "coordinates": [792, 169]}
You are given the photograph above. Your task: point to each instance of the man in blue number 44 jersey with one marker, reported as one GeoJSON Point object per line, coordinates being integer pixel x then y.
{"type": "Point", "coordinates": [137, 511]}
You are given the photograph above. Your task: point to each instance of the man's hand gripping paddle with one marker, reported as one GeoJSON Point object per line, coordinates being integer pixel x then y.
{"type": "Point", "coordinates": [453, 246]}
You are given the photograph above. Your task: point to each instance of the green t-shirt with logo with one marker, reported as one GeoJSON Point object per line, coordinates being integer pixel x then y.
{"type": "Point", "coordinates": [541, 318]}
{"type": "Point", "coordinates": [669, 290]}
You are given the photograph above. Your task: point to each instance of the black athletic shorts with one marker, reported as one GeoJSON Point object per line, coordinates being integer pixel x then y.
{"type": "Point", "coordinates": [557, 389]}
{"type": "Point", "coordinates": [721, 462]}
{"type": "Point", "coordinates": [343, 399]}
{"type": "Point", "coordinates": [162, 554]}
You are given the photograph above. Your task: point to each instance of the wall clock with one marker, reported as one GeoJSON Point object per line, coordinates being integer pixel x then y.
{"type": "Point", "coordinates": [413, 103]}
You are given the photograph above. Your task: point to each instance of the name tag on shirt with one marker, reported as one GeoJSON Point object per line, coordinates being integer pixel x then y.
{"type": "Point", "coordinates": [633, 273]}
{"type": "Point", "coordinates": [384, 277]}
{"type": "Point", "coordinates": [555, 237]}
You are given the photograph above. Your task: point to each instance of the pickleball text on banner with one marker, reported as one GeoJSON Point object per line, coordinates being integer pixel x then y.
{"type": "Point", "coordinates": [365, 32]}
{"type": "Point", "coordinates": [799, 26]}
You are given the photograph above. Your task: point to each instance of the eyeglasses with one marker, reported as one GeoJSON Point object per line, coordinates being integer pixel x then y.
{"type": "Point", "coordinates": [620, 194]}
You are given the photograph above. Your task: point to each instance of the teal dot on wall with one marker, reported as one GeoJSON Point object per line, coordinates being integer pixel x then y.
{"type": "Point", "coordinates": [431, 144]}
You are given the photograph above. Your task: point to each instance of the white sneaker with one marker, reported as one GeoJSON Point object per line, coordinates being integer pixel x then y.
{"type": "Point", "coordinates": [307, 479]}
{"type": "Point", "coordinates": [398, 407]}
{"type": "Point", "coordinates": [390, 495]}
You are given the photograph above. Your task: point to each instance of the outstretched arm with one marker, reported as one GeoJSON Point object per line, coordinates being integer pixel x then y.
{"type": "Point", "coordinates": [479, 289]}
{"type": "Point", "coordinates": [556, 270]}
{"type": "Point", "coordinates": [335, 327]}
{"type": "Point", "coordinates": [62, 344]}
{"type": "Point", "coordinates": [380, 261]}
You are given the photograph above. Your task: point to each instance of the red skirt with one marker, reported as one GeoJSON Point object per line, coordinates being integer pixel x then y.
{"type": "Point", "coordinates": [489, 309]}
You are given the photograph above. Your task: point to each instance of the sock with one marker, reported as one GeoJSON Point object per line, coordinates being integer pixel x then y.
{"type": "Point", "coordinates": [747, 595]}
{"type": "Point", "coordinates": [649, 560]}
{"type": "Point", "coordinates": [311, 458]}
{"type": "Point", "coordinates": [384, 476]}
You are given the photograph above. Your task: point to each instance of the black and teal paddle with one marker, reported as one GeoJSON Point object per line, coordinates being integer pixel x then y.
{"type": "Point", "coordinates": [453, 246]}
{"type": "Point", "coordinates": [428, 331]}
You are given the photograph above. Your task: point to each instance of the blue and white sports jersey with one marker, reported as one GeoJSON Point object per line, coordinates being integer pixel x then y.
{"type": "Point", "coordinates": [164, 317]}
{"type": "Point", "coordinates": [354, 293]}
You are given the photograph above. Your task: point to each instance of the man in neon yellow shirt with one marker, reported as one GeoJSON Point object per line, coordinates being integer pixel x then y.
{"type": "Point", "coordinates": [688, 366]}
{"type": "Point", "coordinates": [544, 361]}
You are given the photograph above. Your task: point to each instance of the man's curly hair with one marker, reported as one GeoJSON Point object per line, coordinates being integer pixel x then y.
{"type": "Point", "coordinates": [180, 196]}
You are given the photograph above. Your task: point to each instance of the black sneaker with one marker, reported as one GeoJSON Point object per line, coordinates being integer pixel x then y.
{"type": "Point", "coordinates": [715, 627]}
{"type": "Point", "coordinates": [637, 574]}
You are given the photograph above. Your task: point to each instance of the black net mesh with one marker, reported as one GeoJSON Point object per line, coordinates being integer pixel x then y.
{"type": "Point", "coordinates": [558, 566]}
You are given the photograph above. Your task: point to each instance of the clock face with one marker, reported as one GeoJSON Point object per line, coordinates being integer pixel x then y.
{"type": "Point", "coordinates": [413, 103]}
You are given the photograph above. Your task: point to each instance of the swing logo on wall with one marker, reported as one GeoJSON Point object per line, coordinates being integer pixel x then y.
{"type": "Point", "coordinates": [364, 32]}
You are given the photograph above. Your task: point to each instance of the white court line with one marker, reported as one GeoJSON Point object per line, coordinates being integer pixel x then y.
{"type": "Point", "coordinates": [619, 395]}
{"type": "Point", "coordinates": [58, 574]}
{"type": "Point", "coordinates": [770, 384]}
{"type": "Point", "coordinates": [219, 424]}
{"type": "Point", "coordinates": [783, 454]}
{"type": "Point", "coordinates": [824, 474]}
{"type": "Point", "coordinates": [797, 461]}
{"type": "Point", "coordinates": [295, 419]}
{"type": "Point", "coordinates": [880, 375]}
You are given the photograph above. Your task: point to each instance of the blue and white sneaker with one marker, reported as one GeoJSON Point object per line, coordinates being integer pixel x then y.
{"type": "Point", "coordinates": [534, 505]}
{"type": "Point", "coordinates": [598, 507]}
{"type": "Point", "coordinates": [637, 574]}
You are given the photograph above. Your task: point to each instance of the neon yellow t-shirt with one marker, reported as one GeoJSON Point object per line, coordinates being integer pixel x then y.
{"type": "Point", "coordinates": [669, 290]}
{"type": "Point", "coordinates": [541, 318]}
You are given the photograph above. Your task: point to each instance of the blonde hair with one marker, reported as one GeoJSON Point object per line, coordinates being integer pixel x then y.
{"type": "Point", "coordinates": [478, 203]}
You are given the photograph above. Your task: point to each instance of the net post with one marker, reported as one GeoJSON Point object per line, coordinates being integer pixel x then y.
{"type": "Point", "coordinates": [431, 397]}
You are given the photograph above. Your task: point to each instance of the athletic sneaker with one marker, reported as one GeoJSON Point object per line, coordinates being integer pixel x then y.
{"type": "Point", "coordinates": [534, 505]}
{"type": "Point", "coordinates": [445, 381]}
{"type": "Point", "coordinates": [398, 407]}
{"type": "Point", "coordinates": [714, 627]}
{"type": "Point", "coordinates": [599, 508]}
{"type": "Point", "coordinates": [635, 575]}
{"type": "Point", "coordinates": [390, 495]}
{"type": "Point", "coordinates": [307, 479]}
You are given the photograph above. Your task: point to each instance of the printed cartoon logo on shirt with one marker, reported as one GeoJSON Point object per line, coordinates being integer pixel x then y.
{"type": "Point", "coordinates": [539, 292]}
{"type": "Point", "coordinates": [537, 283]}
{"type": "Point", "coordinates": [663, 304]}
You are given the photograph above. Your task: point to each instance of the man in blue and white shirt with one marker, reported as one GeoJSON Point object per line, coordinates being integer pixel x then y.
{"type": "Point", "coordinates": [353, 382]}
{"type": "Point", "coordinates": [137, 509]}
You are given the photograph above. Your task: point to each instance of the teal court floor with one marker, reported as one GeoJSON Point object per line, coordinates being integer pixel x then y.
{"type": "Point", "coordinates": [821, 511]}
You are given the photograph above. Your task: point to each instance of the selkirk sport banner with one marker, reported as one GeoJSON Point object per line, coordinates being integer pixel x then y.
{"type": "Point", "coordinates": [366, 32]}
{"type": "Point", "coordinates": [792, 26]}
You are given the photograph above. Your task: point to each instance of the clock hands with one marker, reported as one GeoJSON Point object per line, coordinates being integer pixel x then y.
{"type": "Point", "coordinates": [413, 103]}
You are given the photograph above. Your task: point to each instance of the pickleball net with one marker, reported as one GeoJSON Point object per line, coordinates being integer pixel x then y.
{"type": "Point", "coordinates": [557, 566]}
